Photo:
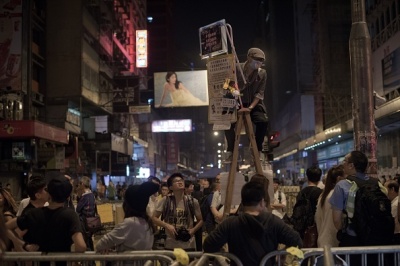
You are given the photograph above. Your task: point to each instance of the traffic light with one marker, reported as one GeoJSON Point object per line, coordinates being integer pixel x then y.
{"type": "Point", "coordinates": [273, 143]}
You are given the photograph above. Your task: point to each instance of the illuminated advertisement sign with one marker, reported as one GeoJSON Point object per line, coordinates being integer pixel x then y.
{"type": "Point", "coordinates": [180, 89]}
{"type": "Point", "coordinates": [172, 148]}
{"type": "Point", "coordinates": [183, 125]}
{"type": "Point", "coordinates": [141, 48]}
{"type": "Point", "coordinates": [10, 46]}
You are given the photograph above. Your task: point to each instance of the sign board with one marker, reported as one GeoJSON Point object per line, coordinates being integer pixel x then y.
{"type": "Point", "coordinates": [213, 39]}
{"type": "Point", "coordinates": [222, 107]}
{"type": "Point", "coordinates": [141, 48]}
{"type": "Point", "coordinates": [11, 46]}
{"type": "Point", "coordinates": [182, 125]}
{"type": "Point", "coordinates": [145, 109]}
{"type": "Point", "coordinates": [180, 89]}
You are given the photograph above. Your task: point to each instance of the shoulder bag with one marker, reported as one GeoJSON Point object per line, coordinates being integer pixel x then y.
{"type": "Point", "coordinates": [93, 224]}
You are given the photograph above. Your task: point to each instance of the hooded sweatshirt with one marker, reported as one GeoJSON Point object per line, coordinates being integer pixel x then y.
{"type": "Point", "coordinates": [245, 232]}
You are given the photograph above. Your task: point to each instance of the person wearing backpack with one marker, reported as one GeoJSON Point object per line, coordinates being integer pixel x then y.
{"type": "Point", "coordinates": [306, 202]}
{"type": "Point", "coordinates": [176, 213]}
{"type": "Point", "coordinates": [361, 210]}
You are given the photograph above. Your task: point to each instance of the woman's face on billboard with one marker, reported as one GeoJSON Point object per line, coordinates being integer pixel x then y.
{"type": "Point", "coordinates": [172, 79]}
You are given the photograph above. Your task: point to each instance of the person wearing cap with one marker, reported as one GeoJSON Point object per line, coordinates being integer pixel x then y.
{"type": "Point", "coordinates": [252, 90]}
{"type": "Point", "coordinates": [136, 232]}
{"type": "Point", "coordinates": [177, 214]}
{"type": "Point", "coordinates": [53, 228]}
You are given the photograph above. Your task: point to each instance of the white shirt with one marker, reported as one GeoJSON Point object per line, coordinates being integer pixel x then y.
{"type": "Point", "coordinates": [151, 206]}
{"type": "Point", "coordinates": [395, 203]}
{"type": "Point", "coordinates": [325, 226]}
{"type": "Point", "coordinates": [24, 203]}
{"type": "Point", "coordinates": [216, 200]}
{"type": "Point", "coordinates": [279, 211]}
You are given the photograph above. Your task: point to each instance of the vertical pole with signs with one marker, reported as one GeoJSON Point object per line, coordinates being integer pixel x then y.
{"type": "Point", "coordinates": [224, 94]}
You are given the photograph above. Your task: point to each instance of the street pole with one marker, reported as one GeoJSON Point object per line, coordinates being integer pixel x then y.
{"type": "Point", "coordinates": [361, 86]}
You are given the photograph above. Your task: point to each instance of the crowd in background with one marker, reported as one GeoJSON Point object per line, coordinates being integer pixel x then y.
{"type": "Point", "coordinates": [189, 214]}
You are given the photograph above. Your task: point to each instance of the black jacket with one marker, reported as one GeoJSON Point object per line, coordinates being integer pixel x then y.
{"type": "Point", "coordinates": [245, 231]}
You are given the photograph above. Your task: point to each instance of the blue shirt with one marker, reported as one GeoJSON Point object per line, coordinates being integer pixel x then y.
{"type": "Point", "coordinates": [340, 195]}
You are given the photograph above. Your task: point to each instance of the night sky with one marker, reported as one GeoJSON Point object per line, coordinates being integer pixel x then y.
{"type": "Point", "coordinates": [189, 16]}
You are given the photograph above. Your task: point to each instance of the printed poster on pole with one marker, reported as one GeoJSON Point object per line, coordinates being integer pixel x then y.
{"type": "Point", "coordinates": [222, 107]}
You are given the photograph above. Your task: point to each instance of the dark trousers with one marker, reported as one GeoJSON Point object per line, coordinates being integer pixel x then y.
{"type": "Point", "coordinates": [396, 239]}
{"type": "Point", "coordinates": [198, 236]}
{"type": "Point", "coordinates": [87, 236]}
{"type": "Point", "coordinates": [350, 241]}
{"type": "Point", "coordinates": [260, 120]}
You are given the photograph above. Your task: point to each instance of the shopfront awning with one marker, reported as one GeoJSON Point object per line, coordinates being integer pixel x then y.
{"type": "Point", "coordinates": [32, 129]}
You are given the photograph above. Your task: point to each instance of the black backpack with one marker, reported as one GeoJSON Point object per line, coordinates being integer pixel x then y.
{"type": "Point", "coordinates": [303, 213]}
{"type": "Point", "coordinates": [372, 220]}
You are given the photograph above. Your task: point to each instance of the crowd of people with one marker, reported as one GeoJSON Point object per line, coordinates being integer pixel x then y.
{"type": "Point", "coordinates": [187, 215]}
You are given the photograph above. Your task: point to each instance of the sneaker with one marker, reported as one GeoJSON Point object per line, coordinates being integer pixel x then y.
{"type": "Point", "coordinates": [228, 158]}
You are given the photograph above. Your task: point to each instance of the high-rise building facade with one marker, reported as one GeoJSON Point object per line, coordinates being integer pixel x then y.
{"type": "Point", "coordinates": [72, 71]}
{"type": "Point", "coordinates": [312, 105]}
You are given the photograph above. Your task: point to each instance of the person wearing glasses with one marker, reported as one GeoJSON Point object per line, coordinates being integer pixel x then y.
{"type": "Point", "coordinates": [352, 211]}
{"type": "Point", "coordinates": [179, 213]}
{"type": "Point", "coordinates": [252, 90]}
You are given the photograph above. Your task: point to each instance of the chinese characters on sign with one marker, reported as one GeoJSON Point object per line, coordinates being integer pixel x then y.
{"type": "Point", "coordinates": [213, 39]}
{"type": "Point", "coordinates": [222, 108]}
{"type": "Point", "coordinates": [141, 48]}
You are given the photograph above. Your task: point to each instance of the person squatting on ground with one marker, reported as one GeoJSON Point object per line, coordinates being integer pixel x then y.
{"type": "Point", "coordinates": [253, 233]}
{"type": "Point", "coordinates": [252, 98]}
{"type": "Point", "coordinates": [176, 213]}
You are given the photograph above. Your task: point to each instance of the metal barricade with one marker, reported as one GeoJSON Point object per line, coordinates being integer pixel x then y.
{"type": "Point", "coordinates": [369, 256]}
{"type": "Point", "coordinates": [132, 258]}
{"type": "Point", "coordinates": [328, 256]}
{"type": "Point", "coordinates": [203, 258]}
{"type": "Point", "coordinates": [274, 257]}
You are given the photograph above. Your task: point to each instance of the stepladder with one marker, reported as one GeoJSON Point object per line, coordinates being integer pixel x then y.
{"type": "Point", "coordinates": [243, 120]}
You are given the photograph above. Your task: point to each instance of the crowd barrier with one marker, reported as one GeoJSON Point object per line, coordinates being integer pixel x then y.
{"type": "Point", "coordinates": [133, 258]}
{"type": "Point", "coordinates": [369, 256]}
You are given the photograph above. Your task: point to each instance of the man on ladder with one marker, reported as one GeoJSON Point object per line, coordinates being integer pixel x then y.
{"type": "Point", "coordinates": [252, 88]}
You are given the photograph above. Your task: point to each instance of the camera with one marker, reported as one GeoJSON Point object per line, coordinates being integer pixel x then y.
{"type": "Point", "coordinates": [182, 235]}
